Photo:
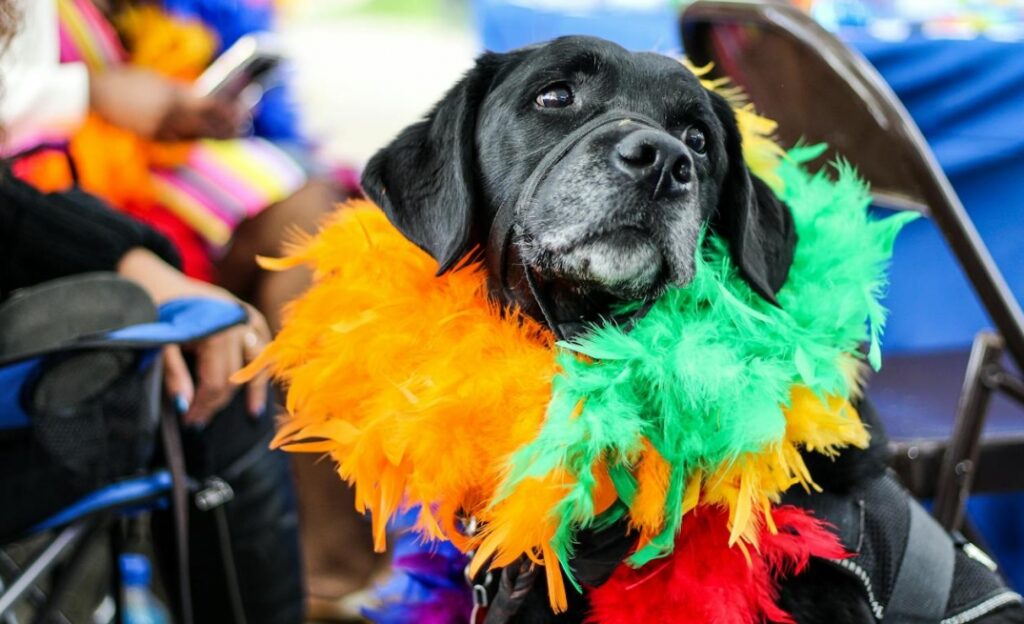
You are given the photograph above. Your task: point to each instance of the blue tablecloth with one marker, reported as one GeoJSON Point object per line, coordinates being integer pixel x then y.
{"type": "Point", "coordinates": [504, 25]}
{"type": "Point", "coordinates": [968, 99]}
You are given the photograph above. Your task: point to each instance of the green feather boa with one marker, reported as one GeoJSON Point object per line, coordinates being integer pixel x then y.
{"type": "Point", "coordinates": [705, 374]}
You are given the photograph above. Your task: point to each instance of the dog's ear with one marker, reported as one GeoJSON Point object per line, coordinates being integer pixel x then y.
{"type": "Point", "coordinates": [425, 179]}
{"type": "Point", "coordinates": [758, 226]}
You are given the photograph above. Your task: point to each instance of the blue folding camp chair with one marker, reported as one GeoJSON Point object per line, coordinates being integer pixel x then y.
{"type": "Point", "coordinates": [81, 416]}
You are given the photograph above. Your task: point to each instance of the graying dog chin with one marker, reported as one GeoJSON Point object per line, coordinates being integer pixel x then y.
{"type": "Point", "coordinates": [584, 174]}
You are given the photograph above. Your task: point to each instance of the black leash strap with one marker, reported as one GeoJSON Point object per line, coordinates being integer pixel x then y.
{"type": "Point", "coordinates": [501, 229]}
{"type": "Point", "coordinates": [925, 579]}
{"type": "Point", "coordinates": [516, 583]}
{"type": "Point", "coordinates": [175, 457]}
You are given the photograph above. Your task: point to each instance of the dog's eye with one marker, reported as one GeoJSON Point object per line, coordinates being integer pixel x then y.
{"type": "Point", "coordinates": [694, 139]}
{"type": "Point", "coordinates": [558, 95]}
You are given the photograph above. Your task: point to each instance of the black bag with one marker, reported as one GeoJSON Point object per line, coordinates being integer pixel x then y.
{"type": "Point", "coordinates": [89, 409]}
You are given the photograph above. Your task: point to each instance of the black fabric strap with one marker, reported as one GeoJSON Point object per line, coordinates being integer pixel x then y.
{"type": "Point", "coordinates": [516, 583]}
{"type": "Point", "coordinates": [175, 457]}
{"type": "Point", "coordinates": [500, 235]}
{"type": "Point", "coordinates": [903, 558]}
{"type": "Point", "coordinates": [925, 579]}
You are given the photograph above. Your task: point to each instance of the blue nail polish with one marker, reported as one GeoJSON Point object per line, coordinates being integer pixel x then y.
{"type": "Point", "coordinates": [180, 404]}
{"type": "Point", "coordinates": [261, 411]}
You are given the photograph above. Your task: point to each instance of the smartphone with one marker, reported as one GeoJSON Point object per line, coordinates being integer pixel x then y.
{"type": "Point", "coordinates": [243, 71]}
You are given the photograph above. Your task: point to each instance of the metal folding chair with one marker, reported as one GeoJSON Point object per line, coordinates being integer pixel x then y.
{"type": "Point", "coordinates": [819, 90]}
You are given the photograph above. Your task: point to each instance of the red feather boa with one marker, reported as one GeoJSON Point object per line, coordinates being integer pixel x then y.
{"type": "Point", "coordinates": [704, 580]}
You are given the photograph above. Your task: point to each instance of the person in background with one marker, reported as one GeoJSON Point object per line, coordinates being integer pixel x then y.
{"type": "Point", "coordinates": [111, 83]}
{"type": "Point", "coordinates": [45, 236]}
{"type": "Point", "coordinates": [143, 141]}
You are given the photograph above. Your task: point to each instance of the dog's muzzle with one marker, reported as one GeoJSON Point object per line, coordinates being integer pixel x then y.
{"type": "Point", "coordinates": [500, 236]}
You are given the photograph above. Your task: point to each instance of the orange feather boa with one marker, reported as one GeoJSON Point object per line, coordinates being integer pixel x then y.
{"type": "Point", "coordinates": [420, 389]}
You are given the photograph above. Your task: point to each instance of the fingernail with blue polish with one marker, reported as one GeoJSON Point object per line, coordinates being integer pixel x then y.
{"type": "Point", "coordinates": [180, 404]}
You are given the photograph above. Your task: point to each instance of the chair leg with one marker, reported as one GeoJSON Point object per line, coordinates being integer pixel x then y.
{"type": "Point", "coordinates": [116, 536]}
{"type": "Point", "coordinates": [959, 464]}
{"type": "Point", "coordinates": [9, 618]}
{"type": "Point", "coordinates": [64, 577]}
{"type": "Point", "coordinates": [56, 551]}
{"type": "Point", "coordinates": [35, 597]}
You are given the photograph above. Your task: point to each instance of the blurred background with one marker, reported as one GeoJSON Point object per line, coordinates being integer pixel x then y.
{"type": "Point", "coordinates": [358, 71]}
{"type": "Point", "coordinates": [420, 46]}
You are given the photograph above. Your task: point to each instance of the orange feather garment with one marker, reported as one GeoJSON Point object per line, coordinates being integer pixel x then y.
{"type": "Point", "coordinates": [420, 389]}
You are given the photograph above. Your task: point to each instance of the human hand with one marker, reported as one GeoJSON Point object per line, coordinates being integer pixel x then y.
{"type": "Point", "coordinates": [194, 117]}
{"type": "Point", "coordinates": [217, 357]}
{"type": "Point", "coordinates": [157, 108]}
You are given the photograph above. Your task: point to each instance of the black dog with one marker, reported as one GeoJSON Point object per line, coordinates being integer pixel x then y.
{"type": "Point", "coordinates": [583, 173]}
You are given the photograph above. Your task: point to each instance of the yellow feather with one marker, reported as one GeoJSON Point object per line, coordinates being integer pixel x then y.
{"type": "Point", "coordinates": [556, 584]}
{"type": "Point", "coordinates": [760, 150]}
{"type": "Point", "coordinates": [647, 513]}
{"type": "Point", "coordinates": [756, 480]}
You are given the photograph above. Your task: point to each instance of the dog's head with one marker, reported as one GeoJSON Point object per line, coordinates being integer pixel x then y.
{"type": "Point", "coordinates": [615, 215]}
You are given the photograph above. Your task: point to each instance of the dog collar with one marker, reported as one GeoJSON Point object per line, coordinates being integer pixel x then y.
{"type": "Point", "coordinates": [501, 232]}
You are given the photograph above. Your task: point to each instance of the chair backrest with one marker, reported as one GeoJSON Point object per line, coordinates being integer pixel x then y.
{"type": "Point", "coordinates": [80, 386]}
{"type": "Point", "coordinates": [819, 90]}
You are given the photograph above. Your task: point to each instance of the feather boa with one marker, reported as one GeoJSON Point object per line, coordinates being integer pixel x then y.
{"type": "Point", "coordinates": [428, 584]}
{"type": "Point", "coordinates": [706, 581]}
{"type": "Point", "coordinates": [707, 384]}
{"type": "Point", "coordinates": [428, 395]}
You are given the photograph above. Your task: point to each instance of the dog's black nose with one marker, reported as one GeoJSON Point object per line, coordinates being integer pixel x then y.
{"type": "Point", "coordinates": [656, 160]}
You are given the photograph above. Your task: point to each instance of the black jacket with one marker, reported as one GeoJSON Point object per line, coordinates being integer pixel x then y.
{"type": "Point", "coordinates": [48, 235]}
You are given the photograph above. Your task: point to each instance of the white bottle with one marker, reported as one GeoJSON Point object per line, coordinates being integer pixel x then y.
{"type": "Point", "coordinates": [140, 605]}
